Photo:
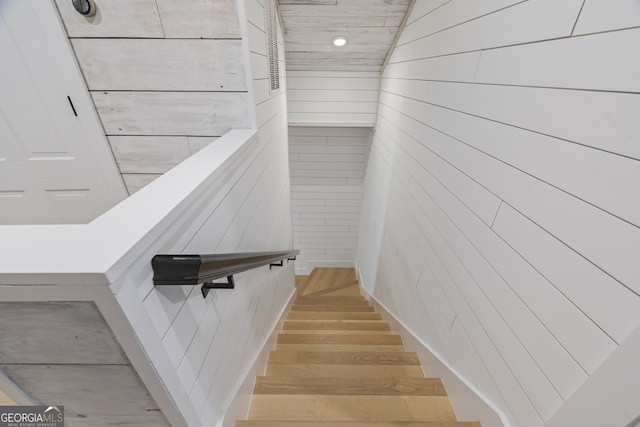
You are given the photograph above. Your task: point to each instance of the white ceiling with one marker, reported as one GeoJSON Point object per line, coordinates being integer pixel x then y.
{"type": "Point", "coordinates": [310, 26]}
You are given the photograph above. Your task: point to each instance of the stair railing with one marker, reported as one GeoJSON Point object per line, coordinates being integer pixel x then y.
{"type": "Point", "coordinates": [179, 270]}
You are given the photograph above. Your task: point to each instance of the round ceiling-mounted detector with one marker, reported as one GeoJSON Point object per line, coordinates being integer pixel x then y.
{"type": "Point", "coordinates": [85, 7]}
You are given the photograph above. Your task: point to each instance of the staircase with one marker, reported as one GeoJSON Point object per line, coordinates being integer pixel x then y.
{"type": "Point", "coordinates": [337, 363]}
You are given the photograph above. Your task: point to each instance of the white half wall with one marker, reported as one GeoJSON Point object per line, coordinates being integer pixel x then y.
{"type": "Point", "coordinates": [500, 208]}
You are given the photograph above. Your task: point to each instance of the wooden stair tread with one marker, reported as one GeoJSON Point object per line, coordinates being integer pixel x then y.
{"type": "Point", "coordinates": [338, 339]}
{"type": "Point", "coordinates": [306, 315]}
{"type": "Point", "coordinates": [336, 332]}
{"type": "Point", "coordinates": [336, 325]}
{"type": "Point", "coordinates": [333, 308]}
{"type": "Point", "coordinates": [301, 283]}
{"type": "Point", "coordinates": [380, 386]}
{"type": "Point", "coordinates": [280, 423]}
{"type": "Point", "coordinates": [294, 407]}
{"type": "Point", "coordinates": [349, 300]}
{"type": "Point", "coordinates": [346, 289]}
{"type": "Point", "coordinates": [326, 278]}
{"type": "Point", "coordinates": [344, 370]}
{"type": "Point", "coordinates": [339, 347]}
{"type": "Point", "coordinates": [344, 357]}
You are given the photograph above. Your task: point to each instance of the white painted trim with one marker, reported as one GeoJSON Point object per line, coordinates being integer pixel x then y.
{"type": "Point", "coordinates": [239, 407]}
{"type": "Point", "coordinates": [468, 403]}
{"type": "Point", "coordinates": [304, 268]}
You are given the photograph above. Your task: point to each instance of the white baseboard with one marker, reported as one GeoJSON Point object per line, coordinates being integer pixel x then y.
{"type": "Point", "coordinates": [239, 407]}
{"type": "Point", "coordinates": [305, 267]}
{"type": "Point", "coordinates": [467, 403]}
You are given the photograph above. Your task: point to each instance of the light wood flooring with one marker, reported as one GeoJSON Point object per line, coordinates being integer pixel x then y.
{"type": "Point", "coordinates": [337, 363]}
{"type": "Point", "coordinates": [6, 400]}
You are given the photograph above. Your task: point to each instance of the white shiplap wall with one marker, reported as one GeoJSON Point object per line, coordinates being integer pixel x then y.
{"type": "Point", "coordinates": [332, 98]}
{"type": "Point", "coordinates": [327, 168]}
{"type": "Point", "coordinates": [500, 208]}
{"type": "Point", "coordinates": [203, 348]}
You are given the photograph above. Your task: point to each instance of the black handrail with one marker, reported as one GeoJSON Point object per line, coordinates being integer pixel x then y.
{"type": "Point", "coordinates": [194, 269]}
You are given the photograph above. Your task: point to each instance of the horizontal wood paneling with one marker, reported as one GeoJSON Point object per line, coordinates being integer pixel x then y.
{"type": "Point", "coordinates": [162, 68]}
{"type": "Point", "coordinates": [135, 181]}
{"type": "Point", "coordinates": [559, 113]}
{"type": "Point", "coordinates": [76, 331]}
{"type": "Point", "coordinates": [499, 209]}
{"type": "Point", "coordinates": [148, 154]}
{"type": "Point", "coordinates": [449, 15]}
{"type": "Point", "coordinates": [326, 159]}
{"type": "Point", "coordinates": [544, 157]}
{"type": "Point", "coordinates": [324, 97]}
{"type": "Point", "coordinates": [601, 15]}
{"type": "Point", "coordinates": [310, 26]}
{"type": "Point", "coordinates": [45, 344]}
{"type": "Point", "coordinates": [199, 19]}
{"type": "Point", "coordinates": [123, 17]}
{"type": "Point", "coordinates": [162, 65]}
{"type": "Point", "coordinates": [495, 29]}
{"type": "Point", "coordinates": [98, 391]}
{"type": "Point", "coordinates": [156, 113]}
{"type": "Point", "coordinates": [574, 62]}
{"type": "Point", "coordinates": [423, 7]}
{"type": "Point", "coordinates": [593, 291]}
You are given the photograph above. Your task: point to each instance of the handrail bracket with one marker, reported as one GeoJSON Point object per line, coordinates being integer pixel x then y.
{"type": "Point", "coordinates": [276, 264]}
{"type": "Point", "coordinates": [230, 284]}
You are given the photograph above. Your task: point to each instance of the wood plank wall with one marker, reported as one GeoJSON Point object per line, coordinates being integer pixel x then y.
{"type": "Point", "coordinates": [332, 98]}
{"type": "Point", "coordinates": [167, 77]}
{"type": "Point", "coordinates": [65, 352]}
{"type": "Point", "coordinates": [327, 169]}
{"type": "Point", "coordinates": [501, 196]}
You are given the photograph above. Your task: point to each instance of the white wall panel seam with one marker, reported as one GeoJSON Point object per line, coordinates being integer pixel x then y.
{"type": "Point", "coordinates": [466, 302]}
{"type": "Point", "coordinates": [592, 204]}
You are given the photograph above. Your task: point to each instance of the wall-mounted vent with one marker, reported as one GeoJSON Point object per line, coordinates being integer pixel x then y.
{"type": "Point", "coordinates": [271, 29]}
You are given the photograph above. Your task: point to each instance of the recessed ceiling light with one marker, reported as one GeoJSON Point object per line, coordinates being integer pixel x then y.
{"type": "Point", "coordinates": [339, 41]}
